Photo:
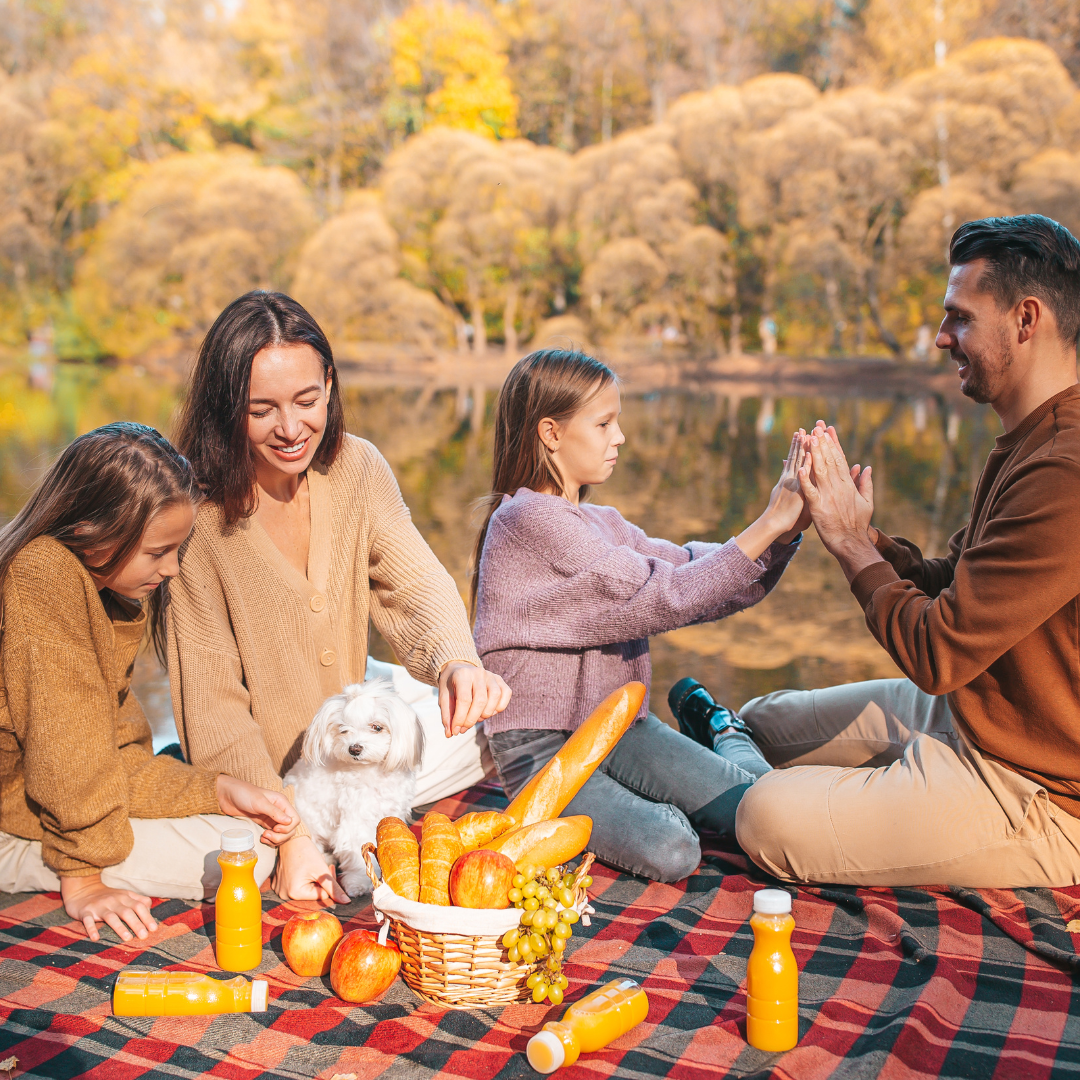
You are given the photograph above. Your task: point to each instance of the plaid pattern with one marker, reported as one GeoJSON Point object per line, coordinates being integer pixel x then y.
{"type": "Point", "coordinates": [894, 982]}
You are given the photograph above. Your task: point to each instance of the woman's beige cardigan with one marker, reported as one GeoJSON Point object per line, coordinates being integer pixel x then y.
{"type": "Point", "coordinates": [255, 647]}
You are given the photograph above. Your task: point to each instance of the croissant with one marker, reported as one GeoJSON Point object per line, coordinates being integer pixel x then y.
{"type": "Point", "coordinates": [399, 857]}
{"type": "Point", "coordinates": [440, 848]}
{"type": "Point", "coordinates": [478, 829]}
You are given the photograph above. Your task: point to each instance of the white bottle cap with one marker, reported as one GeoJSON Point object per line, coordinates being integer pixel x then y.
{"type": "Point", "coordinates": [772, 902]}
{"type": "Point", "coordinates": [549, 1053]}
{"type": "Point", "coordinates": [237, 840]}
{"type": "Point", "coordinates": [260, 992]}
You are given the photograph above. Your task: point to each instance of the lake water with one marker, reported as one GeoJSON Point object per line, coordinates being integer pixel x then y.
{"type": "Point", "coordinates": [697, 464]}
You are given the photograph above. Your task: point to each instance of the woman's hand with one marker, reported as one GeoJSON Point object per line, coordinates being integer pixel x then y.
{"type": "Point", "coordinates": [467, 694]}
{"type": "Point", "coordinates": [270, 809]}
{"type": "Point", "coordinates": [301, 873]}
{"type": "Point", "coordinates": [787, 513]}
{"type": "Point", "coordinates": [88, 901]}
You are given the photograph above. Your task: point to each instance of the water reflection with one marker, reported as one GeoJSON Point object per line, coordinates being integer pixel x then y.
{"type": "Point", "coordinates": [696, 465]}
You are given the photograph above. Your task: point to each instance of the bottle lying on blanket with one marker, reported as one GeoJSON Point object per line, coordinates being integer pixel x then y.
{"type": "Point", "coordinates": [588, 1025]}
{"type": "Point", "coordinates": [772, 976]}
{"type": "Point", "coordinates": [140, 992]}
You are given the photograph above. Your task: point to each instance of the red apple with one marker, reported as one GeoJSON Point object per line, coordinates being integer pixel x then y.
{"type": "Point", "coordinates": [308, 941]}
{"type": "Point", "coordinates": [363, 969]}
{"type": "Point", "coordinates": [481, 879]}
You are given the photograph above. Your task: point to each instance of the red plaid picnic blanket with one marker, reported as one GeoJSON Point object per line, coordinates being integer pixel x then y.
{"type": "Point", "coordinates": [894, 983]}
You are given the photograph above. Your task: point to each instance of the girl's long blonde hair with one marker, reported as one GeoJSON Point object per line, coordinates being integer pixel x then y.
{"type": "Point", "coordinates": [100, 494]}
{"type": "Point", "coordinates": [549, 383]}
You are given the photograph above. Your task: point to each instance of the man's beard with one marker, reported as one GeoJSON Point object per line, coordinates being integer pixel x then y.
{"type": "Point", "coordinates": [984, 372]}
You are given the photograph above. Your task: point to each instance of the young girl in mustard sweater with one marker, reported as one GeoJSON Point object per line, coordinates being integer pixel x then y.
{"type": "Point", "coordinates": [85, 806]}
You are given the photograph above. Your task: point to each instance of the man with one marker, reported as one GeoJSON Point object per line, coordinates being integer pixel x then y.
{"type": "Point", "coordinates": [967, 772]}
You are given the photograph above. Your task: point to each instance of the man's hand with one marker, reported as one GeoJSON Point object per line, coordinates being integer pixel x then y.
{"type": "Point", "coordinates": [87, 900]}
{"type": "Point", "coordinates": [467, 694]}
{"type": "Point", "coordinates": [270, 809]}
{"type": "Point", "coordinates": [841, 502]}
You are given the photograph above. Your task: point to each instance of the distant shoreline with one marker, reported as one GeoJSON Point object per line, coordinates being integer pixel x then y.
{"type": "Point", "coordinates": [746, 375]}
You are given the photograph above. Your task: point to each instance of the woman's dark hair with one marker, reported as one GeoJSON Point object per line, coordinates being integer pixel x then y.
{"type": "Point", "coordinates": [549, 383]}
{"type": "Point", "coordinates": [211, 428]}
{"type": "Point", "coordinates": [1026, 255]}
{"type": "Point", "coordinates": [100, 495]}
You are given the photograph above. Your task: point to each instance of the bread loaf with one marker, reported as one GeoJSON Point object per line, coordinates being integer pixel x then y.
{"type": "Point", "coordinates": [440, 848]}
{"type": "Point", "coordinates": [399, 857]}
{"type": "Point", "coordinates": [478, 829]}
{"type": "Point", "coordinates": [549, 792]}
{"type": "Point", "coordinates": [545, 843]}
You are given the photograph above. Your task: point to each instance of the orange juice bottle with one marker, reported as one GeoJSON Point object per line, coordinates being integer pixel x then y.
{"type": "Point", "coordinates": [588, 1025]}
{"type": "Point", "coordinates": [141, 992]}
{"type": "Point", "coordinates": [772, 977]}
{"type": "Point", "coordinates": [238, 914]}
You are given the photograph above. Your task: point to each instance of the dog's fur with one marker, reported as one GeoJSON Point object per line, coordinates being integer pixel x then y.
{"type": "Point", "coordinates": [358, 765]}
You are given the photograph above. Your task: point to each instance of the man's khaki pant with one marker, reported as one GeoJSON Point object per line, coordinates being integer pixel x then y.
{"type": "Point", "coordinates": [173, 858]}
{"type": "Point", "coordinates": [875, 785]}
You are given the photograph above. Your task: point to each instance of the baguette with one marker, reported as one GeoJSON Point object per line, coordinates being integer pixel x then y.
{"type": "Point", "coordinates": [440, 848]}
{"type": "Point", "coordinates": [399, 857]}
{"type": "Point", "coordinates": [545, 843]}
{"type": "Point", "coordinates": [479, 829]}
{"type": "Point", "coordinates": [549, 792]}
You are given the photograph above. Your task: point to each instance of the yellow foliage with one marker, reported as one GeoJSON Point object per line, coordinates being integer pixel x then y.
{"type": "Point", "coordinates": [449, 60]}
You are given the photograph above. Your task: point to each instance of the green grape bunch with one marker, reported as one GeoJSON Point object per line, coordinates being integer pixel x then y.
{"type": "Point", "coordinates": [544, 929]}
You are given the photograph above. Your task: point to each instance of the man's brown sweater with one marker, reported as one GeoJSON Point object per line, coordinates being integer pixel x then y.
{"type": "Point", "coordinates": [994, 625]}
{"type": "Point", "coordinates": [76, 752]}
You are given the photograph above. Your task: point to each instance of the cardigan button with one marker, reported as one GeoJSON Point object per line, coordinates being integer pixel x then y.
{"type": "Point", "coordinates": [317, 602]}
{"type": "Point", "coordinates": [327, 657]}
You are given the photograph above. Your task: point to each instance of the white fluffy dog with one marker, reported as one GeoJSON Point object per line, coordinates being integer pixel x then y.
{"type": "Point", "coordinates": [358, 765]}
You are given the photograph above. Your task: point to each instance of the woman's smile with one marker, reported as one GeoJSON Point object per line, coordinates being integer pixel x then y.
{"type": "Point", "coordinates": [293, 452]}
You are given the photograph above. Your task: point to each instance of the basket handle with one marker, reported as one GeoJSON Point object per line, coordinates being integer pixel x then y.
{"type": "Point", "coordinates": [586, 865]}
{"type": "Point", "coordinates": [368, 852]}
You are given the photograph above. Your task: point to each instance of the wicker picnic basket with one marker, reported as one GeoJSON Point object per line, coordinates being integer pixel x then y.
{"type": "Point", "coordinates": [457, 970]}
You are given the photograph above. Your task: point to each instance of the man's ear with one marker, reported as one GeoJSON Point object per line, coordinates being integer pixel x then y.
{"type": "Point", "coordinates": [1030, 312]}
{"type": "Point", "coordinates": [548, 430]}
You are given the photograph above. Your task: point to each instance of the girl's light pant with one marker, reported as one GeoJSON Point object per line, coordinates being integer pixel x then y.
{"type": "Point", "coordinates": [173, 859]}
{"type": "Point", "coordinates": [875, 785]}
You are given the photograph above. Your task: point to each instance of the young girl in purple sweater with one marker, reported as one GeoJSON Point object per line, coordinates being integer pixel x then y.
{"type": "Point", "coordinates": [567, 595]}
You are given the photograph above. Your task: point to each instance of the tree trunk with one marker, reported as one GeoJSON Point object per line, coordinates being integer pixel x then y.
{"type": "Point", "coordinates": [832, 297]}
{"type": "Point", "coordinates": [476, 314]}
{"type": "Point", "coordinates": [874, 304]}
{"type": "Point", "coordinates": [509, 321]}
{"type": "Point", "coordinates": [568, 141]}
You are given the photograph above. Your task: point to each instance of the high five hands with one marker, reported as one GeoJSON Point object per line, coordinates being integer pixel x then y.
{"type": "Point", "coordinates": [840, 500]}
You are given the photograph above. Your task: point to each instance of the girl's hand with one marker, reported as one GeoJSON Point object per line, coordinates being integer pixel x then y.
{"type": "Point", "coordinates": [787, 513]}
{"type": "Point", "coordinates": [301, 873]}
{"type": "Point", "coordinates": [467, 694]}
{"type": "Point", "coordinates": [270, 809]}
{"type": "Point", "coordinates": [87, 900]}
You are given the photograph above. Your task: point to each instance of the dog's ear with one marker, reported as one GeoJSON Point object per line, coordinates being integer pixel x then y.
{"type": "Point", "coordinates": [323, 731]}
{"type": "Point", "coordinates": [406, 734]}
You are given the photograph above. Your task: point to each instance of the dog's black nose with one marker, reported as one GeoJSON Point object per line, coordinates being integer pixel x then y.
{"type": "Point", "coordinates": [356, 749]}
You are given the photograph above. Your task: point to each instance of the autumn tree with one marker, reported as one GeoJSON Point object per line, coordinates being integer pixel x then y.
{"type": "Point", "coordinates": [449, 68]}
{"type": "Point", "coordinates": [196, 231]}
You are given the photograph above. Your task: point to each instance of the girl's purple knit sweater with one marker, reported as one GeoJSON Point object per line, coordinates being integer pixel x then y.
{"type": "Point", "coordinates": [569, 596]}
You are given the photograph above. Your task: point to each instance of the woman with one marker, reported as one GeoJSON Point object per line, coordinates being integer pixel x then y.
{"type": "Point", "coordinates": [303, 537]}
{"type": "Point", "coordinates": [85, 807]}
{"type": "Point", "coordinates": [567, 596]}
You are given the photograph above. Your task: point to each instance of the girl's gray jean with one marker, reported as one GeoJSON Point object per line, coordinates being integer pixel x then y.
{"type": "Point", "coordinates": [647, 798]}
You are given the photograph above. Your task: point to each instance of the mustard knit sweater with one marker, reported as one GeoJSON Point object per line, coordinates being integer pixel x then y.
{"type": "Point", "coordinates": [76, 752]}
{"type": "Point", "coordinates": [255, 647]}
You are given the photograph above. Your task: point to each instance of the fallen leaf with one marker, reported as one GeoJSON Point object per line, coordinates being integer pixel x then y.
{"type": "Point", "coordinates": [8, 1064]}
{"type": "Point", "coordinates": [343, 1076]}
{"type": "Point", "coordinates": [1073, 928]}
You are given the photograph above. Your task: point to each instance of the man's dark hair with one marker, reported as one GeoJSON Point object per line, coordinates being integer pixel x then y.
{"type": "Point", "coordinates": [1027, 255]}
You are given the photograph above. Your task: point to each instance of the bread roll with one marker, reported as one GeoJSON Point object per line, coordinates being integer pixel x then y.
{"type": "Point", "coordinates": [399, 857]}
{"type": "Point", "coordinates": [478, 829]}
{"type": "Point", "coordinates": [545, 843]}
{"type": "Point", "coordinates": [440, 848]}
{"type": "Point", "coordinates": [549, 792]}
